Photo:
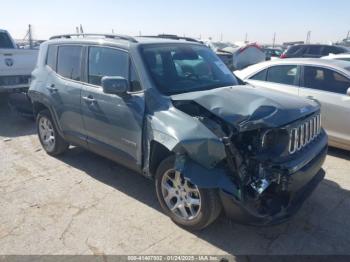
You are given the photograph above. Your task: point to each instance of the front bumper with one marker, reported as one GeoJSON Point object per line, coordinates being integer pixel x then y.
{"type": "Point", "coordinates": [303, 183]}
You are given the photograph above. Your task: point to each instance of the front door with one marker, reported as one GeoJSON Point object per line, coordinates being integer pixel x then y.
{"type": "Point", "coordinates": [113, 123]}
{"type": "Point", "coordinates": [282, 78]}
{"type": "Point", "coordinates": [329, 88]}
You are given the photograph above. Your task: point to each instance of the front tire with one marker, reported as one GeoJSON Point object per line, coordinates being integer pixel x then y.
{"type": "Point", "coordinates": [49, 138]}
{"type": "Point", "coordinates": [187, 205]}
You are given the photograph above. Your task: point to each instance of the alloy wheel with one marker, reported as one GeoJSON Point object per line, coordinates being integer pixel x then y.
{"type": "Point", "coordinates": [180, 195]}
{"type": "Point", "coordinates": [47, 133]}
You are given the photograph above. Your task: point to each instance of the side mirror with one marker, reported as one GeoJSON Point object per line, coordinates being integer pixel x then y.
{"type": "Point", "coordinates": [116, 85]}
{"type": "Point", "coordinates": [348, 91]}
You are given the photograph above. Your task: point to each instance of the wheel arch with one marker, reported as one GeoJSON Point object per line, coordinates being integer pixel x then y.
{"type": "Point", "coordinates": [158, 152]}
{"type": "Point", "coordinates": [39, 106]}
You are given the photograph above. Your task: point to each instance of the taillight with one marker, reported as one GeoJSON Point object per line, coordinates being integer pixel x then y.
{"type": "Point", "coordinates": [283, 55]}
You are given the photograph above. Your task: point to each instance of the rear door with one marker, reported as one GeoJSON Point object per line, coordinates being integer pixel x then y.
{"type": "Point", "coordinates": [329, 87]}
{"type": "Point", "coordinates": [63, 87]}
{"type": "Point", "coordinates": [282, 78]}
{"type": "Point", "coordinates": [113, 123]}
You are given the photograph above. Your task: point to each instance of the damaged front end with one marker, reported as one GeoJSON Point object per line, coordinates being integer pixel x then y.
{"type": "Point", "coordinates": [266, 173]}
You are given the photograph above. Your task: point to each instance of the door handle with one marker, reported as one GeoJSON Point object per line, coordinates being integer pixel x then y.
{"type": "Point", "coordinates": [89, 99]}
{"type": "Point", "coordinates": [51, 88]}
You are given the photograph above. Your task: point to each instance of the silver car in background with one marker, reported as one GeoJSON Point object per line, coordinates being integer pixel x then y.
{"type": "Point", "coordinates": [325, 80]}
{"type": "Point", "coordinates": [344, 57]}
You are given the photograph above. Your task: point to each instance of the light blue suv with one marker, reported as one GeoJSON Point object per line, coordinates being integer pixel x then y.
{"type": "Point", "coordinates": [172, 111]}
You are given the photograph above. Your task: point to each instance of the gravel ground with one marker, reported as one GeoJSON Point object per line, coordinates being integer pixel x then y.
{"type": "Point", "coordinates": [81, 203]}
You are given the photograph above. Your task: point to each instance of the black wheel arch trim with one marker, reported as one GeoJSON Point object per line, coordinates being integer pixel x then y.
{"type": "Point", "coordinates": [37, 97]}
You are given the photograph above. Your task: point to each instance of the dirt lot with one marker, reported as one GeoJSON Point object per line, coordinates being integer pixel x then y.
{"type": "Point", "coordinates": [81, 203]}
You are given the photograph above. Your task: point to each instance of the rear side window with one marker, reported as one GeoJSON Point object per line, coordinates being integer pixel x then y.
{"type": "Point", "coordinates": [52, 57]}
{"type": "Point", "coordinates": [284, 74]}
{"type": "Point", "coordinates": [5, 41]}
{"type": "Point", "coordinates": [325, 80]}
{"type": "Point", "coordinates": [314, 50]}
{"type": "Point", "coordinates": [294, 50]}
{"type": "Point", "coordinates": [332, 50]}
{"type": "Point", "coordinates": [261, 76]}
{"type": "Point", "coordinates": [69, 62]}
{"type": "Point", "coordinates": [106, 62]}
{"type": "Point", "coordinates": [342, 49]}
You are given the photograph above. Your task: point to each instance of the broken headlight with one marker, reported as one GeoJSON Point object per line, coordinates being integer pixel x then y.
{"type": "Point", "coordinates": [275, 141]}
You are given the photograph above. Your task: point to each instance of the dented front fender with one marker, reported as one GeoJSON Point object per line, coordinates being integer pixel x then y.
{"type": "Point", "coordinates": [182, 134]}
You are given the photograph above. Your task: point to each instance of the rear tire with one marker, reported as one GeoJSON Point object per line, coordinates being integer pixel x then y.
{"type": "Point", "coordinates": [207, 205]}
{"type": "Point", "coordinates": [49, 138]}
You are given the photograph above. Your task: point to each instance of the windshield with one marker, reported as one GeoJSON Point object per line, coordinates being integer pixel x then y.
{"type": "Point", "coordinates": [186, 68]}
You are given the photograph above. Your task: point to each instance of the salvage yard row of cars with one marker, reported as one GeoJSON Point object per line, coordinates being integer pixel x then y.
{"type": "Point", "coordinates": [170, 109]}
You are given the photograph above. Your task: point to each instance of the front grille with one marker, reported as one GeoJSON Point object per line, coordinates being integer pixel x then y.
{"type": "Point", "coordinates": [303, 134]}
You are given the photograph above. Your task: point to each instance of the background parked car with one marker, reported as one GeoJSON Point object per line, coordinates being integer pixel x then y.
{"type": "Point", "coordinates": [327, 81]}
{"type": "Point", "coordinates": [313, 51]}
{"type": "Point", "coordinates": [272, 53]}
{"type": "Point", "coordinates": [344, 57]}
{"type": "Point", "coordinates": [237, 57]}
{"type": "Point", "coordinates": [16, 64]}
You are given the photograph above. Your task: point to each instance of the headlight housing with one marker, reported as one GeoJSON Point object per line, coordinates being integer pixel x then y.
{"type": "Point", "coordinates": [275, 141]}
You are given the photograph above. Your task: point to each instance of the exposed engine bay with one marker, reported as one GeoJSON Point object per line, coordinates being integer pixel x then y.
{"type": "Point", "coordinates": [253, 157]}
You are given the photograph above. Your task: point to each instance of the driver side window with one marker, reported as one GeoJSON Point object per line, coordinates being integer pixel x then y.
{"type": "Point", "coordinates": [283, 74]}
{"type": "Point", "coordinates": [261, 76]}
{"type": "Point", "coordinates": [106, 62]}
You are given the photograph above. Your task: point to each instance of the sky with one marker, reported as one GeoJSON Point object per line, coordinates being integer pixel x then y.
{"type": "Point", "coordinates": [328, 20]}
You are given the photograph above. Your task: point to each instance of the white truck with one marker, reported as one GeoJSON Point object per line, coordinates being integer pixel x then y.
{"type": "Point", "coordinates": [16, 65]}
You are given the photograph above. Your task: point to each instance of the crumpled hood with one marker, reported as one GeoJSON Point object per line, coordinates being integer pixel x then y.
{"type": "Point", "coordinates": [248, 108]}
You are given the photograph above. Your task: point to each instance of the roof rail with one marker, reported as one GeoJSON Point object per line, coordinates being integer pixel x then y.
{"type": "Point", "coordinates": [113, 36]}
{"type": "Point", "coordinates": [174, 37]}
